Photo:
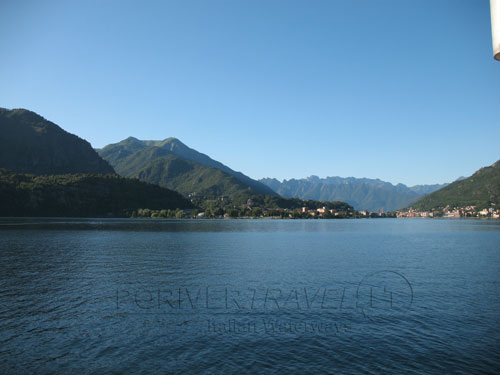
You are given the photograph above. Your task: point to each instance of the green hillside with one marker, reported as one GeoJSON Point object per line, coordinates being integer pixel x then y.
{"type": "Point", "coordinates": [130, 164]}
{"type": "Point", "coordinates": [81, 195]}
{"type": "Point", "coordinates": [31, 144]}
{"type": "Point", "coordinates": [189, 177]}
{"type": "Point", "coordinates": [482, 189]}
{"type": "Point", "coordinates": [172, 164]}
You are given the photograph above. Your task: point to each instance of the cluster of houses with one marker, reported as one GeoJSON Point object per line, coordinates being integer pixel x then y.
{"type": "Point", "coordinates": [414, 213]}
{"type": "Point", "coordinates": [492, 212]}
{"type": "Point", "coordinates": [321, 211]}
{"type": "Point", "coordinates": [455, 212]}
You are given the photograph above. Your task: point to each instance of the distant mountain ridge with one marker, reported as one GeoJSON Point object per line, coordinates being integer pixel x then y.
{"type": "Point", "coordinates": [170, 163]}
{"type": "Point", "coordinates": [31, 144]}
{"type": "Point", "coordinates": [426, 189]}
{"type": "Point", "coordinates": [361, 193]}
{"type": "Point", "coordinates": [482, 190]}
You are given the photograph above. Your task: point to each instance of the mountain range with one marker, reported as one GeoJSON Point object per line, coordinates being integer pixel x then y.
{"type": "Point", "coordinates": [172, 164]}
{"type": "Point", "coordinates": [46, 171]}
{"type": "Point", "coordinates": [50, 171]}
{"type": "Point", "coordinates": [361, 193]}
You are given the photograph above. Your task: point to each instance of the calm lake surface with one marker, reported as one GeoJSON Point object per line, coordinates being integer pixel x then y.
{"type": "Point", "coordinates": [371, 296]}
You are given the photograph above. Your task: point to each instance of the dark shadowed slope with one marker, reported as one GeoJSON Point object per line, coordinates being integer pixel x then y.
{"type": "Point", "coordinates": [31, 144]}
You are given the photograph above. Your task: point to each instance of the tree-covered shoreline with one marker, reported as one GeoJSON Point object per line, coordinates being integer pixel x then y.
{"type": "Point", "coordinates": [81, 195]}
{"type": "Point", "coordinates": [94, 195]}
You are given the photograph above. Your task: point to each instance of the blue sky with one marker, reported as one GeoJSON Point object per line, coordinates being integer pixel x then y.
{"type": "Point", "coordinates": [405, 91]}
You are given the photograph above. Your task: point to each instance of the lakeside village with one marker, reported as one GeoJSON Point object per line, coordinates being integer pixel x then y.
{"type": "Point", "coordinates": [225, 208]}
{"type": "Point", "coordinates": [492, 212]}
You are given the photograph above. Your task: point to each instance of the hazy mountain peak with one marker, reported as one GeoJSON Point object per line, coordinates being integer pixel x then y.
{"type": "Point", "coordinates": [313, 178]}
{"type": "Point", "coordinates": [131, 139]}
{"type": "Point", "coordinates": [173, 143]}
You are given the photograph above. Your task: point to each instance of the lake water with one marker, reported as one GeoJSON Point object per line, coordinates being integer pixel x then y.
{"type": "Point", "coordinates": [374, 296]}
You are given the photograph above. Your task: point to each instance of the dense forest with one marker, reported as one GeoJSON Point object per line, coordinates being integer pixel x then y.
{"type": "Point", "coordinates": [82, 195]}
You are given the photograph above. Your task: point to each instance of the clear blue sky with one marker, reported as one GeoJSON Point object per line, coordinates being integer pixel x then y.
{"type": "Point", "coordinates": [402, 90]}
